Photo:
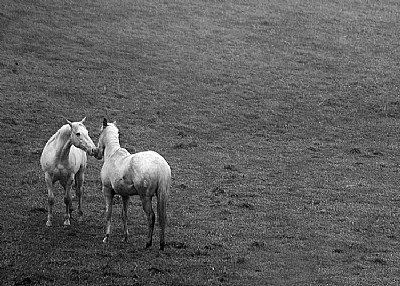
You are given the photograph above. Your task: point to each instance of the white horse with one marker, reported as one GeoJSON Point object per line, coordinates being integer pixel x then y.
{"type": "Point", "coordinates": [64, 159]}
{"type": "Point", "coordinates": [145, 174]}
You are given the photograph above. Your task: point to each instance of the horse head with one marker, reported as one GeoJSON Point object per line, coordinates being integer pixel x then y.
{"type": "Point", "coordinates": [80, 137]}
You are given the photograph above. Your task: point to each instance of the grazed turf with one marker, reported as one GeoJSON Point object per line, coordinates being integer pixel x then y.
{"type": "Point", "coordinates": [279, 120]}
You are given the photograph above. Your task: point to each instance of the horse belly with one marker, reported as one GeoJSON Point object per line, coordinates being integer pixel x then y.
{"type": "Point", "coordinates": [61, 174]}
{"type": "Point", "coordinates": [125, 188]}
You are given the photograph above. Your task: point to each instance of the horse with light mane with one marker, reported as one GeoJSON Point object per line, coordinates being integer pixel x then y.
{"type": "Point", "coordinates": [145, 174]}
{"type": "Point", "coordinates": [64, 159]}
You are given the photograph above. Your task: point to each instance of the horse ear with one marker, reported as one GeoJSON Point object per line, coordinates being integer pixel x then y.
{"type": "Point", "coordinates": [83, 120]}
{"type": "Point", "coordinates": [105, 122]}
{"type": "Point", "coordinates": [69, 122]}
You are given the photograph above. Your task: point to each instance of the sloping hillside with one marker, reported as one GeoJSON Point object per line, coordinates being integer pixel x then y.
{"type": "Point", "coordinates": [279, 120]}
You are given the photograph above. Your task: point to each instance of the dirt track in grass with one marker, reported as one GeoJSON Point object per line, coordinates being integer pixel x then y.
{"type": "Point", "coordinates": [279, 119]}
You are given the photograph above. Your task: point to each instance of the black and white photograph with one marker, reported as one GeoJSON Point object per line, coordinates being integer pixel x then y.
{"type": "Point", "coordinates": [200, 142]}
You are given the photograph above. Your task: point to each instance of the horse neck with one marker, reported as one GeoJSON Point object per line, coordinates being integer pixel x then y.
{"type": "Point", "coordinates": [63, 143]}
{"type": "Point", "coordinates": [65, 150]}
{"type": "Point", "coordinates": [112, 145]}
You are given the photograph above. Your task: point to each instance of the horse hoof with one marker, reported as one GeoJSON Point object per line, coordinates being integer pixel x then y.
{"type": "Point", "coordinates": [67, 223]}
{"type": "Point", "coordinates": [48, 223]}
{"type": "Point", "coordinates": [105, 240]}
{"type": "Point", "coordinates": [125, 240]}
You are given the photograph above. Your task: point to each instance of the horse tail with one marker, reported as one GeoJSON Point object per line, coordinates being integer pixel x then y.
{"type": "Point", "coordinates": [164, 183]}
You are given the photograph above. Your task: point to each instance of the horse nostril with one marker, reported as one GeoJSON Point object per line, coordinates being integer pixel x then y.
{"type": "Point", "coordinates": [90, 152]}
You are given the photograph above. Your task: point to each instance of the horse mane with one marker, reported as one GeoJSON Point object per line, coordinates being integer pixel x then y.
{"type": "Point", "coordinates": [114, 126]}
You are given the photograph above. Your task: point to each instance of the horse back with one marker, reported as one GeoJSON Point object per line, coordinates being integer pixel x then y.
{"type": "Point", "coordinates": [149, 163]}
{"type": "Point", "coordinates": [135, 174]}
{"type": "Point", "coordinates": [148, 169]}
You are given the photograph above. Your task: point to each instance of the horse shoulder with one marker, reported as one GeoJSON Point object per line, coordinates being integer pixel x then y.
{"type": "Point", "coordinates": [48, 157]}
{"type": "Point", "coordinates": [113, 170]}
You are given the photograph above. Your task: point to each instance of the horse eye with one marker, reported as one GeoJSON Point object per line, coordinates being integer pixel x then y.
{"type": "Point", "coordinates": [78, 134]}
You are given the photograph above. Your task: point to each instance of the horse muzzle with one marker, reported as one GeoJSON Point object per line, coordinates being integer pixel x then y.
{"type": "Point", "coordinates": [91, 152]}
{"type": "Point", "coordinates": [97, 154]}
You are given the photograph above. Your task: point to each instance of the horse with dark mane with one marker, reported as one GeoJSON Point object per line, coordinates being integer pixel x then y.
{"type": "Point", "coordinates": [145, 174]}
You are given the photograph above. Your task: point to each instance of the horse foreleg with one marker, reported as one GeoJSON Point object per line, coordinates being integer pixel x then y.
{"type": "Point", "coordinates": [79, 179]}
{"type": "Point", "coordinates": [125, 203]}
{"type": "Point", "coordinates": [68, 202]}
{"type": "Point", "coordinates": [50, 199]}
{"type": "Point", "coordinates": [108, 198]}
{"type": "Point", "coordinates": [148, 209]}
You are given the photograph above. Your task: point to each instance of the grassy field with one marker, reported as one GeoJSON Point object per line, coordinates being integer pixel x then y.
{"type": "Point", "coordinates": [279, 120]}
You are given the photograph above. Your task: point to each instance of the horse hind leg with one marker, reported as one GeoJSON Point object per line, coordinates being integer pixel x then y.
{"type": "Point", "coordinates": [108, 198]}
{"type": "Point", "coordinates": [50, 199]}
{"type": "Point", "coordinates": [125, 204]}
{"type": "Point", "coordinates": [148, 209]}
